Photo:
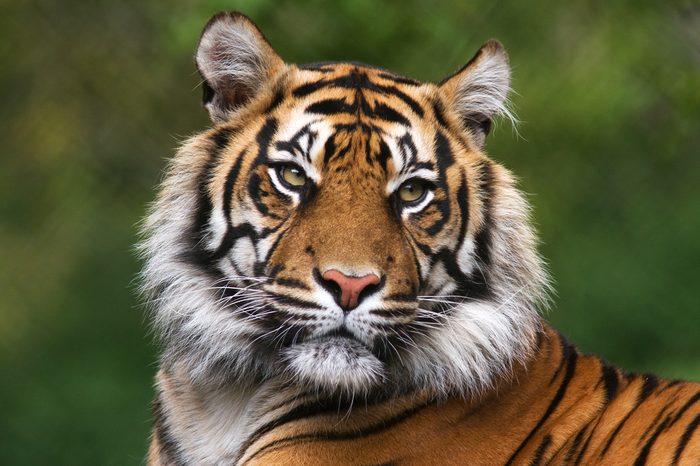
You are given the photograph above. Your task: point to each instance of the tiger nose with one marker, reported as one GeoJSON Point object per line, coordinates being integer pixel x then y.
{"type": "Point", "coordinates": [351, 288]}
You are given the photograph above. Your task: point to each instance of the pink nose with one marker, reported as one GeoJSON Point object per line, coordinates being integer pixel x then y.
{"type": "Point", "coordinates": [350, 287]}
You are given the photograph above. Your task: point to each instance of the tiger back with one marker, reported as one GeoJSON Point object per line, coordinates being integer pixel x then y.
{"type": "Point", "coordinates": [340, 275]}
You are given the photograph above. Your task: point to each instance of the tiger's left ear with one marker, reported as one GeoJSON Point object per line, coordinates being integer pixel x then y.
{"type": "Point", "coordinates": [236, 61]}
{"type": "Point", "coordinates": [478, 92]}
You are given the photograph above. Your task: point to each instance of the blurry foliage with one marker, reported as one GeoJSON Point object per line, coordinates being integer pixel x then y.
{"type": "Point", "coordinates": [96, 95]}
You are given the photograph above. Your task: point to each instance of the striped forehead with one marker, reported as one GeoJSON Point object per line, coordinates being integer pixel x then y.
{"type": "Point", "coordinates": [331, 98]}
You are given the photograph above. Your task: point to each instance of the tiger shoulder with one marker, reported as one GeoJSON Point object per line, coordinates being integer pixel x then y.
{"type": "Point", "coordinates": [339, 274]}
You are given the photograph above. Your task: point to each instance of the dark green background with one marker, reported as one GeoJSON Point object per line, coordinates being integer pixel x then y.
{"type": "Point", "coordinates": [97, 94]}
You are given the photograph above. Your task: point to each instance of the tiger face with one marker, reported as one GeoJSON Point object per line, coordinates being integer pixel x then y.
{"type": "Point", "coordinates": [341, 228]}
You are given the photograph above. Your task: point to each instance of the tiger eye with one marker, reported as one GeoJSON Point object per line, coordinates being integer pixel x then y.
{"type": "Point", "coordinates": [411, 191]}
{"type": "Point", "coordinates": [294, 176]}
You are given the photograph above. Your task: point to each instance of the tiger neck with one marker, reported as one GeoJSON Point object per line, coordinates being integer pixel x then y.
{"type": "Point", "coordinates": [421, 427]}
{"type": "Point", "coordinates": [243, 425]}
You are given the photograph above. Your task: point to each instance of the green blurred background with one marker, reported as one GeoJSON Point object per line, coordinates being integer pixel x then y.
{"type": "Point", "coordinates": [97, 94]}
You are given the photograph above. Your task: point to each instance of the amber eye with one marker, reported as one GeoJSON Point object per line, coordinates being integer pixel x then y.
{"type": "Point", "coordinates": [292, 176]}
{"type": "Point", "coordinates": [412, 191]}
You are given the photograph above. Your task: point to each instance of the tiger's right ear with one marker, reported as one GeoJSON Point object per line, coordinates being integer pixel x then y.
{"type": "Point", "coordinates": [236, 61]}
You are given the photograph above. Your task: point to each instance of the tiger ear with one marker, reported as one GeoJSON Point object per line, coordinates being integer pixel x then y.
{"type": "Point", "coordinates": [478, 91]}
{"type": "Point", "coordinates": [235, 61]}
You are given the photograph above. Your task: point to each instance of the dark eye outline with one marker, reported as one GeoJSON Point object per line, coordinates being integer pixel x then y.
{"type": "Point", "coordinates": [279, 169]}
{"type": "Point", "coordinates": [427, 187]}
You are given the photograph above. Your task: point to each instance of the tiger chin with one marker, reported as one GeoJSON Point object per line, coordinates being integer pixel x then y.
{"type": "Point", "coordinates": [340, 275]}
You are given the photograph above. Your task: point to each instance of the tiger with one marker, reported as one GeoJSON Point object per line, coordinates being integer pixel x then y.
{"type": "Point", "coordinates": [339, 275]}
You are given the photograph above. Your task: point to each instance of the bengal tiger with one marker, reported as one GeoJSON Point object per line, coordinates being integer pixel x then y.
{"type": "Point", "coordinates": [340, 275]}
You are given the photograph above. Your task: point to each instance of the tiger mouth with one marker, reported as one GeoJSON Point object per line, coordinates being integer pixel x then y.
{"type": "Point", "coordinates": [342, 338]}
{"type": "Point", "coordinates": [341, 334]}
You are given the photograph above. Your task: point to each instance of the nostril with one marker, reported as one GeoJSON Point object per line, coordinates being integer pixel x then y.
{"type": "Point", "coordinates": [329, 285]}
{"type": "Point", "coordinates": [334, 289]}
{"type": "Point", "coordinates": [370, 290]}
{"type": "Point", "coordinates": [348, 290]}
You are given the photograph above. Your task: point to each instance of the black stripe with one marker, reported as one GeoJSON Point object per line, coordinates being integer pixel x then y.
{"type": "Point", "coordinates": [317, 408]}
{"type": "Point", "coordinates": [387, 113]}
{"type": "Point", "coordinates": [321, 67]}
{"type": "Point", "coordinates": [483, 237]}
{"type": "Point", "coordinates": [170, 450]}
{"type": "Point", "coordinates": [660, 418]}
{"type": "Point", "coordinates": [366, 128]}
{"type": "Point", "coordinates": [409, 152]}
{"type": "Point", "coordinates": [571, 357]}
{"type": "Point", "coordinates": [562, 362]}
{"type": "Point", "coordinates": [384, 154]}
{"type": "Point", "coordinates": [232, 233]}
{"type": "Point", "coordinates": [584, 449]}
{"type": "Point", "coordinates": [686, 438]}
{"type": "Point", "coordinates": [574, 446]}
{"type": "Point", "coordinates": [649, 385]}
{"type": "Point", "coordinates": [296, 302]}
{"type": "Point", "coordinates": [276, 100]}
{"type": "Point", "coordinates": [439, 112]}
{"type": "Point", "coordinates": [263, 139]}
{"type": "Point", "coordinates": [231, 179]}
{"type": "Point", "coordinates": [293, 147]}
{"type": "Point", "coordinates": [295, 397]}
{"type": "Point", "coordinates": [292, 283]}
{"type": "Point", "coordinates": [610, 380]}
{"type": "Point", "coordinates": [416, 262]}
{"type": "Point", "coordinates": [443, 151]}
{"type": "Point", "coordinates": [539, 453]}
{"type": "Point", "coordinates": [332, 436]}
{"type": "Point", "coordinates": [359, 81]}
{"type": "Point", "coordinates": [467, 286]}
{"type": "Point", "coordinates": [673, 383]}
{"type": "Point", "coordinates": [399, 79]}
{"type": "Point", "coordinates": [256, 194]}
{"type": "Point", "coordinates": [463, 205]}
{"type": "Point", "coordinates": [273, 246]}
{"type": "Point", "coordinates": [417, 109]}
{"type": "Point", "coordinates": [423, 165]}
{"type": "Point", "coordinates": [309, 88]}
{"type": "Point", "coordinates": [694, 399]}
{"type": "Point", "coordinates": [331, 107]}
{"type": "Point", "coordinates": [476, 284]}
{"type": "Point", "coordinates": [395, 312]}
{"type": "Point", "coordinates": [401, 297]}
{"type": "Point", "coordinates": [651, 382]}
{"type": "Point", "coordinates": [644, 453]}
{"type": "Point", "coordinates": [329, 149]}
{"type": "Point", "coordinates": [197, 252]}
{"type": "Point", "coordinates": [221, 139]}
{"type": "Point", "coordinates": [445, 159]}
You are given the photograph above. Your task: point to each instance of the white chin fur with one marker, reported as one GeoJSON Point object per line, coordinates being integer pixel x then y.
{"type": "Point", "coordinates": [335, 365]}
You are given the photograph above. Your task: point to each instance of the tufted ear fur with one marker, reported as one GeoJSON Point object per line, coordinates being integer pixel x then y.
{"type": "Point", "coordinates": [236, 61]}
{"type": "Point", "coordinates": [477, 93]}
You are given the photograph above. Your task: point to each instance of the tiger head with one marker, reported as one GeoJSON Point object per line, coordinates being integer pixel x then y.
{"type": "Point", "coordinates": [340, 227]}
